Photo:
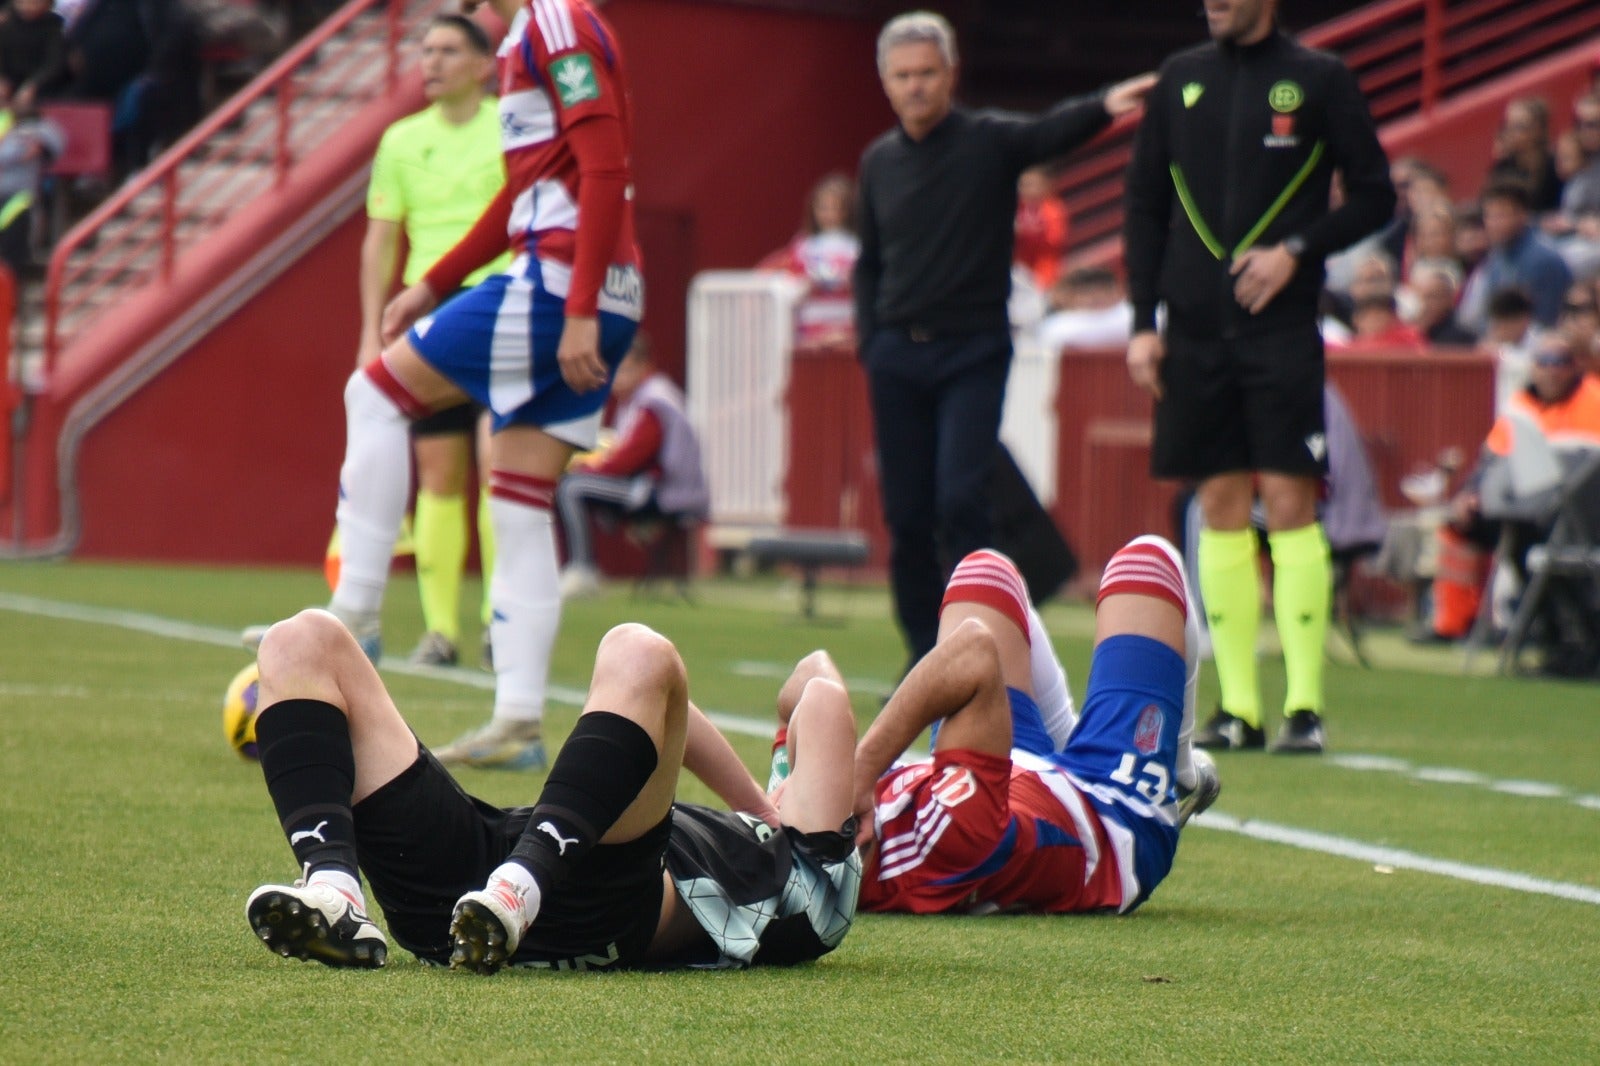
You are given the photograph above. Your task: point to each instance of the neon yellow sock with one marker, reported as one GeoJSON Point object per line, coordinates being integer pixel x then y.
{"type": "Point", "coordinates": [440, 532]}
{"type": "Point", "coordinates": [485, 552]}
{"type": "Point", "coordinates": [1302, 595]}
{"type": "Point", "coordinates": [1230, 584]}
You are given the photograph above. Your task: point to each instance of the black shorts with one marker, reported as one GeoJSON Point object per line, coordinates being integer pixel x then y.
{"type": "Point", "coordinates": [764, 896]}
{"type": "Point", "coordinates": [1243, 404]}
{"type": "Point", "coordinates": [423, 843]}
{"type": "Point", "coordinates": [451, 422]}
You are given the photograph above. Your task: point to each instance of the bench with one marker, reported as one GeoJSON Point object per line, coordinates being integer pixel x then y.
{"type": "Point", "coordinates": [810, 550]}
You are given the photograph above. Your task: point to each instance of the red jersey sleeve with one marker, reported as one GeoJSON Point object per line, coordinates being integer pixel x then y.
{"type": "Point", "coordinates": [636, 452]}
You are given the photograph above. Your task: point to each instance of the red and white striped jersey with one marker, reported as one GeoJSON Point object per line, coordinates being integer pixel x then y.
{"type": "Point", "coordinates": [559, 65]}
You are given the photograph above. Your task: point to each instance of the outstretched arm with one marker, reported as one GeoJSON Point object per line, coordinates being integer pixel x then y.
{"type": "Point", "coordinates": [708, 755]}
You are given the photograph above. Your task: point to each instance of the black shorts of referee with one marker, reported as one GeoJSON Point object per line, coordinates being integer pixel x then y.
{"type": "Point", "coordinates": [1243, 403]}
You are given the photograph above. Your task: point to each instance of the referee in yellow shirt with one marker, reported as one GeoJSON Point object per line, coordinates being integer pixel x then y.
{"type": "Point", "coordinates": [434, 174]}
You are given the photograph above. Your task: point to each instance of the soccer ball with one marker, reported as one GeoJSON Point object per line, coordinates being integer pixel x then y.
{"type": "Point", "coordinates": [239, 711]}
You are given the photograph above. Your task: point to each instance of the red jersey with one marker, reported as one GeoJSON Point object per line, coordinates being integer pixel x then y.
{"type": "Point", "coordinates": [559, 65]}
{"type": "Point", "coordinates": [972, 831]}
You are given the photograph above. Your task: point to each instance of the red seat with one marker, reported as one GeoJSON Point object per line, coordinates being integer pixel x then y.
{"type": "Point", "coordinates": [87, 126]}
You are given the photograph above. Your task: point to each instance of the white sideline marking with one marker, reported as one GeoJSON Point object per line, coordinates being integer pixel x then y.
{"type": "Point", "coordinates": [1449, 775]}
{"type": "Point", "coordinates": [1213, 819]}
{"type": "Point", "coordinates": [1394, 857]}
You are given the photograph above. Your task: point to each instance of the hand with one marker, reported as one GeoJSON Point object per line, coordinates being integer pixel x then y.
{"type": "Point", "coordinates": [866, 828]}
{"type": "Point", "coordinates": [769, 812]}
{"type": "Point", "coordinates": [1145, 352]}
{"type": "Point", "coordinates": [1259, 275]}
{"type": "Point", "coordinates": [1463, 509]}
{"type": "Point", "coordinates": [1126, 97]}
{"type": "Point", "coordinates": [404, 310]}
{"type": "Point", "coordinates": [579, 354]}
{"type": "Point", "coordinates": [23, 99]}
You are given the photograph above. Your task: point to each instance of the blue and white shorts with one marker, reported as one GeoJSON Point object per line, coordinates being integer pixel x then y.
{"type": "Point", "coordinates": [497, 343]}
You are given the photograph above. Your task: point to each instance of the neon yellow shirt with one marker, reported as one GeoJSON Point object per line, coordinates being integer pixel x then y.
{"type": "Point", "coordinates": [435, 179]}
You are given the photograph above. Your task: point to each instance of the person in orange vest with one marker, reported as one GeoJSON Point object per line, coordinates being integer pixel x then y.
{"type": "Point", "coordinates": [1564, 402]}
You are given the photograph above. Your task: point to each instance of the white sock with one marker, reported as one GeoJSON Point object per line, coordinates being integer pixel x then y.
{"type": "Point", "coordinates": [526, 598]}
{"type": "Point", "coordinates": [520, 878]}
{"type": "Point", "coordinates": [373, 485]}
{"type": "Point", "coordinates": [1050, 689]}
{"type": "Point", "coordinates": [1191, 663]}
{"type": "Point", "coordinates": [340, 881]}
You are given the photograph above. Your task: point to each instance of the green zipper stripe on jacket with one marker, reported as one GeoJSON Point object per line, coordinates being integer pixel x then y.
{"type": "Point", "coordinates": [1213, 245]}
{"type": "Point", "coordinates": [1187, 199]}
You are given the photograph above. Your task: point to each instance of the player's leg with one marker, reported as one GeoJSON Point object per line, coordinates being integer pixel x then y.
{"type": "Point", "coordinates": [818, 664]}
{"type": "Point", "coordinates": [574, 496]}
{"type": "Point", "coordinates": [1230, 584]}
{"type": "Point", "coordinates": [329, 737]}
{"type": "Point", "coordinates": [1290, 449]}
{"type": "Point", "coordinates": [381, 400]}
{"type": "Point", "coordinates": [821, 742]}
{"type": "Point", "coordinates": [486, 546]}
{"type": "Point", "coordinates": [988, 585]}
{"type": "Point", "coordinates": [442, 446]}
{"type": "Point", "coordinates": [611, 783]}
{"type": "Point", "coordinates": [960, 685]}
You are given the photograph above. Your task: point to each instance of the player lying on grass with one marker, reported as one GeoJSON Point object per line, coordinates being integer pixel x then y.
{"type": "Point", "coordinates": [576, 881]}
{"type": "Point", "coordinates": [1006, 817]}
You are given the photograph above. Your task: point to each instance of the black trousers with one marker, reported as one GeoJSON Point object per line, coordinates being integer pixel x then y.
{"type": "Point", "coordinates": [936, 416]}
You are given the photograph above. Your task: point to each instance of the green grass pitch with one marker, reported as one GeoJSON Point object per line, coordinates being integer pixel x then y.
{"type": "Point", "coordinates": [1435, 900]}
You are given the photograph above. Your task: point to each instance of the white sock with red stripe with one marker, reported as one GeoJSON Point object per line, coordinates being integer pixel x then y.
{"type": "Point", "coordinates": [374, 483]}
{"type": "Point", "coordinates": [1151, 566]}
{"type": "Point", "coordinates": [524, 593]}
{"type": "Point", "coordinates": [990, 578]}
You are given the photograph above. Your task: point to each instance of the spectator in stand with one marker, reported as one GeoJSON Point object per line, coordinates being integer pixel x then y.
{"type": "Point", "coordinates": [143, 58]}
{"type": "Point", "coordinates": [1580, 323]}
{"type": "Point", "coordinates": [1041, 228]}
{"type": "Point", "coordinates": [27, 145]}
{"type": "Point", "coordinates": [1519, 256]}
{"type": "Point", "coordinates": [1581, 196]}
{"type": "Point", "coordinates": [1436, 283]}
{"type": "Point", "coordinates": [1565, 403]}
{"type": "Point", "coordinates": [1092, 312]}
{"type": "Point", "coordinates": [33, 58]}
{"type": "Point", "coordinates": [1522, 154]}
{"type": "Point", "coordinates": [1472, 240]}
{"type": "Point", "coordinates": [823, 254]}
{"type": "Point", "coordinates": [1419, 188]}
{"type": "Point", "coordinates": [1379, 327]}
{"type": "Point", "coordinates": [1433, 237]}
{"type": "Point", "coordinates": [652, 469]}
{"type": "Point", "coordinates": [1510, 334]}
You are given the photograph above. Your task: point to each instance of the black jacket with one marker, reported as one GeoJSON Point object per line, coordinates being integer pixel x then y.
{"type": "Point", "coordinates": [1237, 150]}
{"type": "Point", "coordinates": [937, 216]}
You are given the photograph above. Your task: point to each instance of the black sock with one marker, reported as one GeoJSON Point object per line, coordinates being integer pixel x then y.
{"type": "Point", "coordinates": [599, 771]}
{"type": "Point", "coordinates": [311, 772]}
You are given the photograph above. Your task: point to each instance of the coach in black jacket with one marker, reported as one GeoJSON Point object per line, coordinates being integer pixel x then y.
{"type": "Point", "coordinates": [938, 204]}
{"type": "Point", "coordinates": [1227, 224]}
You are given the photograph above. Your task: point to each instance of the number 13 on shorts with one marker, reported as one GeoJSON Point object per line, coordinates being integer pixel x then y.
{"type": "Point", "coordinates": [1151, 780]}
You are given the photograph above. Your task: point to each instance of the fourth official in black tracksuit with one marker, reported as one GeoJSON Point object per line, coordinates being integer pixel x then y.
{"type": "Point", "coordinates": [1237, 150]}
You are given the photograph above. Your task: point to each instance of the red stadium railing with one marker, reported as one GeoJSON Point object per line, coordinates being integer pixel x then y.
{"type": "Point", "coordinates": [248, 146]}
{"type": "Point", "coordinates": [1408, 56]}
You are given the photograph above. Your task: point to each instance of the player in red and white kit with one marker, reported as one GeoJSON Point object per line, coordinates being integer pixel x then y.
{"type": "Point", "coordinates": [1006, 817]}
{"type": "Point", "coordinates": [536, 345]}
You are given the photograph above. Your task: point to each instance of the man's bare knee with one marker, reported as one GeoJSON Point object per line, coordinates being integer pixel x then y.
{"type": "Point", "coordinates": [300, 656]}
{"type": "Point", "coordinates": [972, 650]}
{"type": "Point", "coordinates": [817, 665]}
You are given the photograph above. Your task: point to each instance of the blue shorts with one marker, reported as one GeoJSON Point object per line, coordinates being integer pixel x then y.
{"type": "Point", "coordinates": [1123, 754]}
{"type": "Point", "coordinates": [497, 343]}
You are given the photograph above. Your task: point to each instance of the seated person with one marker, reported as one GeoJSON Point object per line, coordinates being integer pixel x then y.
{"type": "Point", "coordinates": [653, 467]}
{"type": "Point", "coordinates": [1379, 328]}
{"type": "Point", "coordinates": [27, 145]}
{"type": "Point", "coordinates": [1089, 310]}
{"type": "Point", "coordinates": [1510, 335]}
{"type": "Point", "coordinates": [1565, 403]}
{"type": "Point", "coordinates": [1436, 284]}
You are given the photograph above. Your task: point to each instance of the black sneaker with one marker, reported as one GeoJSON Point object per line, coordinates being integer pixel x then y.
{"type": "Point", "coordinates": [1229, 732]}
{"type": "Point", "coordinates": [1301, 735]}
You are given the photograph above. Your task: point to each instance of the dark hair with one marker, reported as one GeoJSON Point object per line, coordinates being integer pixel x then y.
{"type": "Point", "coordinates": [1085, 277]}
{"type": "Point", "coordinates": [1375, 301]}
{"type": "Point", "coordinates": [1510, 302]}
{"type": "Point", "coordinates": [834, 182]}
{"type": "Point", "coordinates": [1509, 190]}
{"type": "Point", "coordinates": [475, 34]}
